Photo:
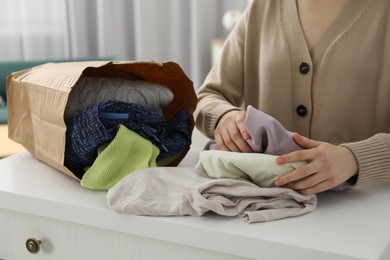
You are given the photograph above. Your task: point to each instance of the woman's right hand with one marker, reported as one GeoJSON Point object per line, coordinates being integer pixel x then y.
{"type": "Point", "coordinates": [230, 133]}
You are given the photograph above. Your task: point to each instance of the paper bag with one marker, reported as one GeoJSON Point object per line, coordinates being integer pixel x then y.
{"type": "Point", "coordinates": [37, 98]}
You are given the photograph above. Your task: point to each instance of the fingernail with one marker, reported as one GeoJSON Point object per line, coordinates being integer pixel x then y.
{"type": "Point", "coordinates": [245, 135]}
{"type": "Point", "coordinates": [279, 160]}
{"type": "Point", "coordinates": [278, 183]}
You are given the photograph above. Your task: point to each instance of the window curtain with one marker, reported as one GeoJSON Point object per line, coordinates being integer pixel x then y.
{"type": "Point", "coordinates": [160, 30]}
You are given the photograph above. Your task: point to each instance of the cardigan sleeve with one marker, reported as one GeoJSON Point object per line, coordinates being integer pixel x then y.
{"type": "Point", "coordinates": [373, 158]}
{"type": "Point", "coordinates": [222, 90]}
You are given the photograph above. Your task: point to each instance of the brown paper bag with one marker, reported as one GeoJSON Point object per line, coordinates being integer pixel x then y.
{"type": "Point", "coordinates": [37, 98]}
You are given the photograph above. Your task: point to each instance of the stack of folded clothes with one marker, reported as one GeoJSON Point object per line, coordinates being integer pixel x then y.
{"type": "Point", "coordinates": [223, 182]}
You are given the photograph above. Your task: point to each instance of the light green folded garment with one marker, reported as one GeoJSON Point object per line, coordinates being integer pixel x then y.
{"type": "Point", "coordinates": [258, 168]}
{"type": "Point", "coordinates": [126, 153]}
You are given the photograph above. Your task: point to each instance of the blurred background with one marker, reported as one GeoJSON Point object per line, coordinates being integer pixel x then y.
{"type": "Point", "coordinates": [163, 30]}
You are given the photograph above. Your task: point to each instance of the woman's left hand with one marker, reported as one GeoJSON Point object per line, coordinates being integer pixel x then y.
{"type": "Point", "coordinates": [328, 166]}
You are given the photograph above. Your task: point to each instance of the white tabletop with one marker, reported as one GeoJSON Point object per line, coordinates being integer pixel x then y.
{"type": "Point", "coordinates": [353, 224]}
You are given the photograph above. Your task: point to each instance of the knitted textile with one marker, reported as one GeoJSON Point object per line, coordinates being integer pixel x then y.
{"type": "Point", "coordinates": [93, 90]}
{"type": "Point", "coordinates": [126, 153]}
{"type": "Point", "coordinates": [88, 131]}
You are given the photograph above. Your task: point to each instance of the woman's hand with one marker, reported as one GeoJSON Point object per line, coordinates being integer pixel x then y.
{"type": "Point", "coordinates": [230, 133]}
{"type": "Point", "coordinates": [328, 166]}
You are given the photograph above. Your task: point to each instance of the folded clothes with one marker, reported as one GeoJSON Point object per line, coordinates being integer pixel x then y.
{"type": "Point", "coordinates": [268, 137]}
{"type": "Point", "coordinates": [92, 90]}
{"type": "Point", "coordinates": [167, 191]}
{"type": "Point", "coordinates": [260, 169]}
{"type": "Point", "coordinates": [88, 131]}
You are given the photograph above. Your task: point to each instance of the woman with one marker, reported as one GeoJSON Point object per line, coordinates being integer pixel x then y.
{"type": "Point", "coordinates": [322, 69]}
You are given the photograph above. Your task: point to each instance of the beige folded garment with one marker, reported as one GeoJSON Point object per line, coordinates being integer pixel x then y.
{"type": "Point", "coordinates": [258, 168]}
{"type": "Point", "coordinates": [168, 191]}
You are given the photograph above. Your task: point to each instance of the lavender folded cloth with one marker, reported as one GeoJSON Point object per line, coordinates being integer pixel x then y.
{"type": "Point", "coordinates": [267, 134]}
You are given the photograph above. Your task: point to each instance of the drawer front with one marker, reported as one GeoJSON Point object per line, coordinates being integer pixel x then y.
{"type": "Point", "coordinates": [64, 240]}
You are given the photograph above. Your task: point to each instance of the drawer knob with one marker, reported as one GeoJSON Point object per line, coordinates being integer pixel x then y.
{"type": "Point", "coordinates": [33, 245]}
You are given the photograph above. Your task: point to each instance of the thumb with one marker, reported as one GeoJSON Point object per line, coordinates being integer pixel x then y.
{"type": "Point", "coordinates": [305, 142]}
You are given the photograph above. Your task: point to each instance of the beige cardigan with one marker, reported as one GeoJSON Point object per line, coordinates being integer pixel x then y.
{"type": "Point", "coordinates": [345, 87]}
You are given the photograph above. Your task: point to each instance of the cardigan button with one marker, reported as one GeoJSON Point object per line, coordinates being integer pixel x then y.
{"type": "Point", "coordinates": [301, 110]}
{"type": "Point", "coordinates": [304, 68]}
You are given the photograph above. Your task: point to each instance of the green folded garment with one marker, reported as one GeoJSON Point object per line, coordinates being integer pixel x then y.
{"type": "Point", "coordinates": [258, 168]}
{"type": "Point", "coordinates": [126, 153]}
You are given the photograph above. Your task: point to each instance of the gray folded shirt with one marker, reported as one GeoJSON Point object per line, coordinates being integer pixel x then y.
{"type": "Point", "coordinates": [167, 191]}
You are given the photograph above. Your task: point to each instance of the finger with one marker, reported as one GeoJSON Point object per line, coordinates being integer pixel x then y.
{"type": "Point", "coordinates": [242, 142]}
{"type": "Point", "coordinates": [305, 142]}
{"type": "Point", "coordinates": [238, 141]}
{"type": "Point", "coordinates": [296, 175]}
{"type": "Point", "coordinates": [225, 142]}
{"type": "Point", "coordinates": [308, 182]}
{"type": "Point", "coordinates": [243, 146]}
{"type": "Point", "coordinates": [296, 156]}
{"type": "Point", "coordinates": [245, 134]}
{"type": "Point", "coordinates": [219, 142]}
{"type": "Point", "coordinates": [240, 124]}
{"type": "Point", "coordinates": [231, 139]}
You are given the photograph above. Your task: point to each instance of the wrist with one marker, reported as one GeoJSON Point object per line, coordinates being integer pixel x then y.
{"type": "Point", "coordinates": [353, 166]}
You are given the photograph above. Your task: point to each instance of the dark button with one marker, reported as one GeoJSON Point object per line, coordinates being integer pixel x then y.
{"type": "Point", "coordinates": [301, 110]}
{"type": "Point", "coordinates": [304, 68]}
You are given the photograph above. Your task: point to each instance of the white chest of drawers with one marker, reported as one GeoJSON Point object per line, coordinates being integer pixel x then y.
{"type": "Point", "coordinates": [74, 223]}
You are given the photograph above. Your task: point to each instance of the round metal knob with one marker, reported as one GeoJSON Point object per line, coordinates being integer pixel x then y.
{"type": "Point", "coordinates": [33, 245]}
